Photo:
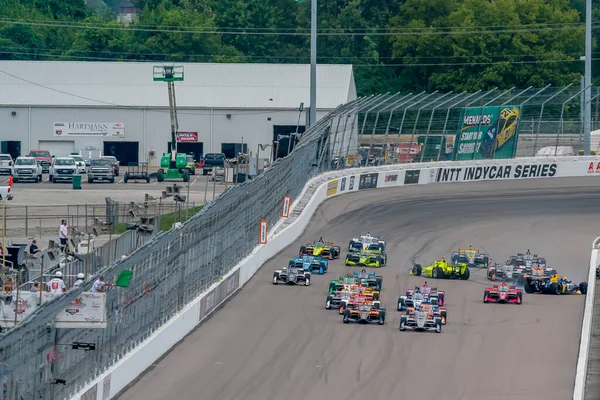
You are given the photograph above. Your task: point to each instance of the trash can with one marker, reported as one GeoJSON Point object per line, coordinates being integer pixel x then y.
{"type": "Point", "coordinates": [76, 181]}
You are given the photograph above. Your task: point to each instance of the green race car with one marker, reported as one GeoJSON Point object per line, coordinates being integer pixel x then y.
{"type": "Point", "coordinates": [367, 259]}
{"type": "Point", "coordinates": [442, 270]}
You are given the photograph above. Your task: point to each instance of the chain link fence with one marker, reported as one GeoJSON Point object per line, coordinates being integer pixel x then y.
{"type": "Point", "coordinates": [174, 267]}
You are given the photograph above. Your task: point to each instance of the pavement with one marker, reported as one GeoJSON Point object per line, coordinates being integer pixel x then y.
{"type": "Point", "coordinates": [278, 342]}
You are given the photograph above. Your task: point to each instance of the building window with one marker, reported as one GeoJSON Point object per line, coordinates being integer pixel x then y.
{"type": "Point", "coordinates": [231, 150]}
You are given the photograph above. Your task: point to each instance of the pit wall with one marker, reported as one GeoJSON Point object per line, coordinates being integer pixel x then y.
{"type": "Point", "coordinates": [287, 230]}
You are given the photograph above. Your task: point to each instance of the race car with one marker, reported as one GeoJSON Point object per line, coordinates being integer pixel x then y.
{"type": "Point", "coordinates": [321, 248]}
{"type": "Point", "coordinates": [503, 294]}
{"type": "Point", "coordinates": [367, 259]}
{"type": "Point", "coordinates": [359, 296]}
{"type": "Point", "coordinates": [316, 265]}
{"type": "Point", "coordinates": [428, 306]}
{"type": "Point", "coordinates": [291, 276]}
{"type": "Point", "coordinates": [365, 242]}
{"type": "Point", "coordinates": [553, 285]}
{"type": "Point", "coordinates": [365, 314]}
{"type": "Point", "coordinates": [501, 271]}
{"type": "Point", "coordinates": [442, 270]}
{"type": "Point", "coordinates": [414, 298]}
{"type": "Point", "coordinates": [338, 298]}
{"type": "Point", "coordinates": [471, 257]}
{"type": "Point", "coordinates": [419, 319]}
{"type": "Point", "coordinates": [368, 279]}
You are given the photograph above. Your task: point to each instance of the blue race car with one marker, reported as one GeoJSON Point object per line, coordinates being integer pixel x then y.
{"type": "Point", "coordinates": [315, 265]}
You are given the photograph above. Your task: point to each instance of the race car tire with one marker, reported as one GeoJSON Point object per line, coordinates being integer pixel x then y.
{"type": "Point", "coordinates": [331, 254]}
{"type": "Point", "coordinates": [441, 299]}
{"type": "Point", "coordinates": [375, 296]}
{"type": "Point", "coordinates": [444, 315]}
{"type": "Point", "coordinates": [583, 287]}
{"type": "Point", "coordinates": [528, 288]}
{"type": "Point", "coordinates": [275, 276]}
{"type": "Point", "coordinates": [417, 269]}
{"type": "Point", "coordinates": [402, 323]}
{"type": "Point", "coordinates": [400, 303]}
{"type": "Point", "coordinates": [465, 275]}
{"type": "Point", "coordinates": [384, 259]}
{"type": "Point", "coordinates": [520, 298]}
{"type": "Point", "coordinates": [328, 304]}
{"type": "Point", "coordinates": [307, 281]}
{"type": "Point", "coordinates": [437, 273]}
{"type": "Point", "coordinates": [379, 281]}
{"type": "Point", "coordinates": [346, 315]}
{"type": "Point", "coordinates": [302, 251]}
{"type": "Point", "coordinates": [438, 327]}
{"type": "Point", "coordinates": [485, 296]}
{"type": "Point", "coordinates": [337, 251]}
{"type": "Point", "coordinates": [554, 288]}
{"type": "Point", "coordinates": [492, 276]}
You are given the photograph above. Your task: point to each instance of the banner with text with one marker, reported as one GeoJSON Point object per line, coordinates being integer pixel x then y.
{"type": "Point", "coordinates": [488, 132]}
{"type": "Point", "coordinates": [368, 181]}
{"type": "Point", "coordinates": [495, 172]}
{"type": "Point", "coordinates": [104, 129]}
{"type": "Point", "coordinates": [185, 137]}
{"type": "Point", "coordinates": [332, 187]}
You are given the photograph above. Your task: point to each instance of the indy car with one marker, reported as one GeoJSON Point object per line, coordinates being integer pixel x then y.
{"type": "Point", "coordinates": [365, 314]}
{"type": "Point", "coordinates": [425, 304]}
{"type": "Point", "coordinates": [414, 298]}
{"type": "Point", "coordinates": [471, 257]}
{"type": "Point", "coordinates": [504, 271]}
{"type": "Point", "coordinates": [553, 285]}
{"type": "Point", "coordinates": [358, 297]}
{"type": "Point", "coordinates": [366, 242]}
{"type": "Point", "coordinates": [323, 249]}
{"type": "Point", "coordinates": [503, 294]}
{"type": "Point", "coordinates": [421, 320]}
{"type": "Point", "coordinates": [291, 276]}
{"type": "Point", "coordinates": [315, 265]}
{"type": "Point", "coordinates": [368, 279]}
{"type": "Point", "coordinates": [442, 270]}
{"type": "Point", "coordinates": [366, 259]}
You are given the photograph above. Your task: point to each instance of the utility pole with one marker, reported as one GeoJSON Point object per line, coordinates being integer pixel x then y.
{"type": "Point", "coordinates": [313, 64]}
{"type": "Point", "coordinates": [587, 128]}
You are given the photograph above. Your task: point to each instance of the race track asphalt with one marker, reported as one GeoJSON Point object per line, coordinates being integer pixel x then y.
{"type": "Point", "coordinates": [278, 342]}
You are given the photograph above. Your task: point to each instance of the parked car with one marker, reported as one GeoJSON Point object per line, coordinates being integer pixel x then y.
{"type": "Point", "coordinates": [212, 160]}
{"type": "Point", "coordinates": [27, 169]}
{"type": "Point", "coordinates": [43, 157]}
{"type": "Point", "coordinates": [115, 163]}
{"type": "Point", "coordinates": [80, 162]}
{"type": "Point", "coordinates": [62, 169]}
{"type": "Point", "coordinates": [101, 170]}
{"type": "Point", "coordinates": [6, 163]}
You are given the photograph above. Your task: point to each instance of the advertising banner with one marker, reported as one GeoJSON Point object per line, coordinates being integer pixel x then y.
{"type": "Point", "coordinates": [343, 185]}
{"type": "Point", "coordinates": [496, 172]}
{"type": "Point", "coordinates": [219, 294]}
{"type": "Point", "coordinates": [368, 181]}
{"type": "Point", "coordinates": [492, 133]}
{"type": "Point", "coordinates": [351, 187]}
{"type": "Point", "coordinates": [332, 187]}
{"type": "Point", "coordinates": [412, 177]}
{"type": "Point", "coordinates": [264, 230]}
{"type": "Point", "coordinates": [86, 311]}
{"type": "Point", "coordinates": [285, 207]}
{"type": "Point", "coordinates": [104, 129]}
{"type": "Point", "coordinates": [185, 137]}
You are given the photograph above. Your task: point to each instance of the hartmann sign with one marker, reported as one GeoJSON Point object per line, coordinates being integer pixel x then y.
{"type": "Point", "coordinates": [87, 129]}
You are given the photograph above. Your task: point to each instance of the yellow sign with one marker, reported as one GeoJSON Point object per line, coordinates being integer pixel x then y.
{"type": "Point", "coordinates": [332, 187]}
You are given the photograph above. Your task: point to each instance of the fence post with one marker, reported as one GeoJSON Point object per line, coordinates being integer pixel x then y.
{"type": "Point", "coordinates": [26, 221]}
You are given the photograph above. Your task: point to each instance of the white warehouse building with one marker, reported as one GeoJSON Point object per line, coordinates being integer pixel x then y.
{"type": "Point", "coordinates": [116, 108]}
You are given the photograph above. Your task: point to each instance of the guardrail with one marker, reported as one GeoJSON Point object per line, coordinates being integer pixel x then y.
{"type": "Point", "coordinates": [586, 329]}
{"type": "Point", "coordinates": [286, 230]}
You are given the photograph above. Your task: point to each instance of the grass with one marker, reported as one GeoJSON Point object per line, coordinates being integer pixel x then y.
{"type": "Point", "coordinates": [166, 221]}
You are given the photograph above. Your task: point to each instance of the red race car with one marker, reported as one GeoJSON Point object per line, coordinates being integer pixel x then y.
{"type": "Point", "coordinates": [503, 294]}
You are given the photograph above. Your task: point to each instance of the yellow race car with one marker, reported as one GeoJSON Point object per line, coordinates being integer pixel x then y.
{"type": "Point", "coordinates": [442, 270]}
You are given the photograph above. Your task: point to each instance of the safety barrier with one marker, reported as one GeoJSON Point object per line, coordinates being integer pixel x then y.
{"type": "Point", "coordinates": [586, 329]}
{"type": "Point", "coordinates": [284, 232]}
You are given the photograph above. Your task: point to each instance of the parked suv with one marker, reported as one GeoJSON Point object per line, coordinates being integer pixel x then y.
{"type": "Point", "coordinates": [101, 170]}
{"type": "Point", "coordinates": [27, 169]}
{"type": "Point", "coordinates": [62, 169]}
{"type": "Point", "coordinates": [43, 157]}
{"type": "Point", "coordinates": [6, 163]}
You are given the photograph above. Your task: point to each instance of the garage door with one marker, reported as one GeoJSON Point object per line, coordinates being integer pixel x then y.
{"type": "Point", "coordinates": [58, 148]}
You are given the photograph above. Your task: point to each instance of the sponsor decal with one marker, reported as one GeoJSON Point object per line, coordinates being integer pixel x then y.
{"type": "Point", "coordinates": [351, 187]}
{"type": "Point", "coordinates": [412, 176]}
{"type": "Point", "coordinates": [89, 129]}
{"type": "Point", "coordinates": [343, 185]}
{"type": "Point", "coordinates": [391, 178]}
{"type": "Point", "coordinates": [264, 226]}
{"type": "Point", "coordinates": [185, 137]}
{"type": "Point", "coordinates": [332, 187]}
{"type": "Point", "coordinates": [496, 172]}
{"type": "Point", "coordinates": [594, 168]}
{"type": "Point", "coordinates": [489, 132]}
{"type": "Point", "coordinates": [368, 181]}
{"type": "Point", "coordinates": [285, 207]}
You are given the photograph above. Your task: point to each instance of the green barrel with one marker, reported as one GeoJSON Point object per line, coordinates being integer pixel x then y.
{"type": "Point", "coordinates": [76, 181]}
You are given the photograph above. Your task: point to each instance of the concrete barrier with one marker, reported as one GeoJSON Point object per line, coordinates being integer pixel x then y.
{"type": "Point", "coordinates": [285, 231]}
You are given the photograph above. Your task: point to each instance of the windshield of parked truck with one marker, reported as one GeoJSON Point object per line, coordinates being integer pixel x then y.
{"type": "Point", "coordinates": [101, 163]}
{"type": "Point", "coordinates": [215, 156]}
{"type": "Point", "coordinates": [65, 161]}
{"type": "Point", "coordinates": [25, 161]}
{"type": "Point", "coordinates": [40, 154]}
{"type": "Point", "coordinates": [78, 158]}
{"type": "Point", "coordinates": [5, 157]}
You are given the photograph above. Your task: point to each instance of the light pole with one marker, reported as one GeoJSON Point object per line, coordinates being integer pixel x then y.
{"type": "Point", "coordinates": [587, 122]}
{"type": "Point", "coordinates": [313, 64]}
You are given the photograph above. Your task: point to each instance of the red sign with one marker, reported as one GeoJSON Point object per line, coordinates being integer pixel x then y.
{"type": "Point", "coordinates": [187, 136]}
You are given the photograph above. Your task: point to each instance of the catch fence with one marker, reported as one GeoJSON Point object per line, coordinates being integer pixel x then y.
{"type": "Point", "coordinates": [174, 267]}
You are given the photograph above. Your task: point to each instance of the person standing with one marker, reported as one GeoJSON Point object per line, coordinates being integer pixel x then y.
{"type": "Point", "coordinates": [63, 233]}
{"type": "Point", "coordinates": [79, 280]}
{"type": "Point", "coordinates": [98, 286]}
{"type": "Point", "coordinates": [56, 285]}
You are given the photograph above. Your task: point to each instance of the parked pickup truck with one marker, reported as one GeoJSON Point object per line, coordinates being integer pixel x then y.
{"type": "Point", "coordinates": [43, 157]}
{"type": "Point", "coordinates": [212, 160]}
{"type": "Point", "coordinates": [6, 163]}
{"type": "Point", "coordinates": [101, 169]}
{"type": "Point", "coordinates": [27, 169]}
{"type": "Point", "coordinates": [5, 193]}
{"type": "Point", "coordinates": [62, 169]}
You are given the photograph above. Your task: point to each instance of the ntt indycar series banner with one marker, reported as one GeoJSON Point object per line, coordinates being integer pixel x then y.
{"type": "Point", "coordinates": [495, 172]}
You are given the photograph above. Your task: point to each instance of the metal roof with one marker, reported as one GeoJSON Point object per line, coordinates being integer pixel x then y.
{"type": "Point", "coordinates": [130, 84]}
